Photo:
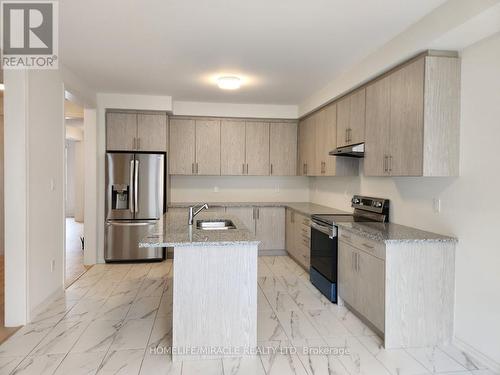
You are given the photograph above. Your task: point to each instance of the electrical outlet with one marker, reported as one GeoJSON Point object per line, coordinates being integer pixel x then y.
{"type": "Point", "coordinates": [276, 188]}
{"type": "Point", "coordinates": [216, 189]}
{"type": "Point", "coordinates": [52, 185]}
{"type": "Point", "coordinates": [52, 265]}
{"type": "Point", "coordinates": [436, 205]}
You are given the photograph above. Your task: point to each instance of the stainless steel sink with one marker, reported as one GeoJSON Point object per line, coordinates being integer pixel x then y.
{"type": "Point", "coordinates": [217, 224]}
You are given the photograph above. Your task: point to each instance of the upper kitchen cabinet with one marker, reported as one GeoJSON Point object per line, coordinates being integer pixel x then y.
{"type": "Point", "coordinates": [326, 141]}
{"type": "Point", "coordinates": [283, 148]}
{"type": "Point", "coordinates": [232, 153]}
{"type": "Point", "coordinates": [351, 118]}
{"type": "Point", "coordinates": [257, 148]}
{"type": "Point", "coordinates": [182, 146]}
{"type": "Point", "coordinates": [131, 131]}
{"type": "Point", "coordinates": [194, 147]}
{"type": "Point", "coordinates": [207, 147]}
{"type": "Point", "coordinates": [307, 140]}
{"type": "Point", "coordinates": [317, 137]}
{"type": "Point", "coordinates": [121, 131]}
{"type": "Point", "coordinates": [152, 132]}
{"type": "Point", "coordinates": [412, 120]}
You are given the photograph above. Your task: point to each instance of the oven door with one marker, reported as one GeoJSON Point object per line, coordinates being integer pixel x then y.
{"type": "Point", "coordinates": [324, 250]}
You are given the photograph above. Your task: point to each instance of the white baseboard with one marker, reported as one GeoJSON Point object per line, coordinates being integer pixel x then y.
{"type": "Point", "coordinates": [45, 304]}
{"type": "Point", "coordinates": [477, 355]}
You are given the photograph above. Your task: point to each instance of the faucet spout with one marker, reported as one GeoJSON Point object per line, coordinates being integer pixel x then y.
{"type": "Point", "coordinates": [194, 210]}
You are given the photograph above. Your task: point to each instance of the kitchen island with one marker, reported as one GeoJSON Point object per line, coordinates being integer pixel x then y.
{"type": "Point", "coordinates": [215, 285]}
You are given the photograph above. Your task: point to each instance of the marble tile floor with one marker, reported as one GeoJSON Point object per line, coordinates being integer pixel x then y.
{"type": "Point", "coordinates": [108, 320]}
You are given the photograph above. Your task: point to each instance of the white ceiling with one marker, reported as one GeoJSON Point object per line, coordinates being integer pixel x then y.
{"type": "Point", "coordinates": [284, 49]}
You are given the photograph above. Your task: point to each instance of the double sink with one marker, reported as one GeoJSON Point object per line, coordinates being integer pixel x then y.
{"type": "Point", "coordinates": [217, 224]}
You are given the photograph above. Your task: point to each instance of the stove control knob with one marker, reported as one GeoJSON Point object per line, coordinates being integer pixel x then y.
{"type": "Point", "coordinates": [356, 200]}
{"type": "Point", "coordinates": [378, 204]}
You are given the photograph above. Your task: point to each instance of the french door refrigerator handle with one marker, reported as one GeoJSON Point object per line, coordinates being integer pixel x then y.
{"type": "Point", "coordinates": [136, 186]}
{"type": "Point", "coordinates": [131, 187]}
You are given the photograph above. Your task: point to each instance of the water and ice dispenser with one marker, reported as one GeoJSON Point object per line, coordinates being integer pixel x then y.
{"type": "Point", "coordinates": [120, 197]}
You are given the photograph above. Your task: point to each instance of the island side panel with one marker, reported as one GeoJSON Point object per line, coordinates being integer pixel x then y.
{"type": "Point", "coordinates": [420, 289]}
{"type": "Point", "coordinates": [215, 298]}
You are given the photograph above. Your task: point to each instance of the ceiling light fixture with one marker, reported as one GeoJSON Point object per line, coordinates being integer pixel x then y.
{"type": "Point", "coordinates": [2, 87]}
{"type": "Point", "coordinates": [229, 83]}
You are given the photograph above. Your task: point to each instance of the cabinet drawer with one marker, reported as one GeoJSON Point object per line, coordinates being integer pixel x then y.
{"type": "Point", "coordinates": [374, 248]}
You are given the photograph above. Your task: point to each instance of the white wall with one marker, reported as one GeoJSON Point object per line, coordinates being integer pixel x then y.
{"type": "Point", "coordinates": [70, 178]}
{"type": "Point", "coordinates": [79, 181]}
{"type": "Point", "coordinates": [444, 28]}
{"type": "Point", "coordinates": [235, 110]}
{"type": "Point", "coordinates": [469, 209]}
{"type": "Point", "coordinates": [239, 189]}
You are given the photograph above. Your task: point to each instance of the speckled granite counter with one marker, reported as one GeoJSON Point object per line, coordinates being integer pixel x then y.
{"type": "Point", "coordinates": [304, 208]}
{"type": "Point", "coordinates": [173, 231]}
{"type": "Point", "coordinates": [390, 233]}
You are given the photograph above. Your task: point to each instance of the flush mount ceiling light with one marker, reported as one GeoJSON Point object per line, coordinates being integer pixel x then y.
{"type": "Point", "coordinates": [229, 83]}
{"type": "Point", "coordinates": [2, 87]}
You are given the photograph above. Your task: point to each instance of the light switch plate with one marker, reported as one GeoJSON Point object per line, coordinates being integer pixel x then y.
{"type": "Point", "coordinates": [436, 205]}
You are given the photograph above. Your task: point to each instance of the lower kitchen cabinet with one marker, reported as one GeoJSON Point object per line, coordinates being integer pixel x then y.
{"type": "Point", "coordinates": [298, 237]}
{"type": "Point", "coordinates": [403, 289]}
{"type": "Point", "coordinates": [266, 223]}
{"type": "Point", "coordinates": [270, 227]}
{"type": "Point", "coordinates": [246, 216]}
{"type": "Point", "coordinates": [361, 283]}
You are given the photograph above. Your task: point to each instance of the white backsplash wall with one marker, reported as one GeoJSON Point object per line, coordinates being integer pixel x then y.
{"type": "Point", "coordinates": [469, 207]}
{"type": "Point", "coordinates": [239, 189]}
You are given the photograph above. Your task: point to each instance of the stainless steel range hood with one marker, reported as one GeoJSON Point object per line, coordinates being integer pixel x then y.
{"type": "Point", "coordinates": [352, 151]}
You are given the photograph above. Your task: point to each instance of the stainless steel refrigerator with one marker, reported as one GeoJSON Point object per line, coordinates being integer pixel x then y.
{"type": "Point", "coordinates": [135, 201]}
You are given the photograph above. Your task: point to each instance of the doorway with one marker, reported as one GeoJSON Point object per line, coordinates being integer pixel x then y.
{"type": "Point", "coordinates": [74, 193]}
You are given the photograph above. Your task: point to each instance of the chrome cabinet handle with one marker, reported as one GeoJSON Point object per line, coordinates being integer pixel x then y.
{"type": "Point", "coordinates": [247, 168]}
{"type": "Point", "coordinates": [258, 213]}
{"type": "Point", "coordinates": [390, 163]}
{"type": "Point", "coordinates": [385, 164]}
{"type": "Point", "coordinates": [369, 247]}
{"type": "Point", "coordinates": [192, 168]}
{"type": "Point", "coordinates": [196, 167]}
{"type": "Point", "coordinates": [138, 143]}
{"type": "Point", "coordinates": [271, 168]}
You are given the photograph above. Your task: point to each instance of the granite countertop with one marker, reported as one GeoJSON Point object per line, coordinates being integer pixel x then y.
{"type": "Point", "coordinates": [383, 232]}
{"type": "Point", "coordinates": [172, 230]}
{"type": "Point", "coordinates": [305, 208]}
{"type": "Point", "coordinates": [391, 233]}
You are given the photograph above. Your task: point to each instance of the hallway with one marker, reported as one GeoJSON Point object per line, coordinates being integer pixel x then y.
{"type": "Point", "coordinates": [74, 252]}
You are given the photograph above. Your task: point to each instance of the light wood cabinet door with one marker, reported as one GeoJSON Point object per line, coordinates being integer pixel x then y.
{"type": "Point", "coordinates": [343, 116]}
{"type": "Point", "coordinates": [257, 148]}
{"type": "Point", "coordinates": [303, 239]}
{"type": "Point", "coordinates": [326, 140]}
{"type": "Point", "coordinates": [182, 146]}
{"type": "Point", "coordinates": [357, 117]}
{"type": "Point", "coordinates": [245, 214]}
{"type": "Point", "coordinates": [347, 278]}
{"type": "Point", "coordinates": [407, 101]}
{"type": "Point", "coordinates": [152, 132]}
{"type": "Point", "coordinates": [207, 147]}
{"type": "Point", "coordinates": [378, 120]}
{"type": "Point", "coordinates": [371, 288]}
{"type": "Point", "coordinates": [232, 148]}
{"type": "Point", "coordinates": [121, 131]}
{"type": "Point", "coordinates": [270, 227]}
{"type": "Point", "coordinates": [302, 145]}
{"type": "Point", "coordinates": [283, 149]}
{"type": "Point", "coordinates": [307, 146]}
{"type": "Point", "coordinates": [290, 243]}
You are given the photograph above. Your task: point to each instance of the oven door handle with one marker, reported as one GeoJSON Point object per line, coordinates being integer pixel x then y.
{"type": "Point", "coordinates": [331, 232]}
